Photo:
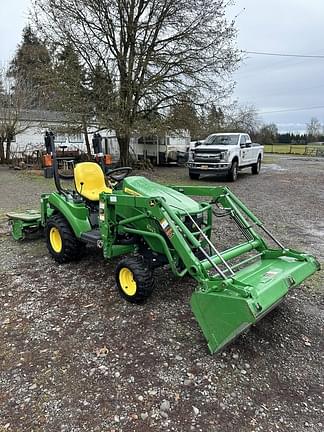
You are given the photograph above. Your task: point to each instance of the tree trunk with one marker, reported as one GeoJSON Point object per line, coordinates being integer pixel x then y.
{"type": "Point", "coordinates": [2, 152]}
{"type": "Point", "coordinates": [86, 138]}
{"type": "Point", "coordinates": [123, 141]}
{"type": "Point", "coordinates": [8, 151]}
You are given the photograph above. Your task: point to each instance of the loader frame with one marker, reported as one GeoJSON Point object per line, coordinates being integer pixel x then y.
{"type": "Point", "coordinates": [233, 297]}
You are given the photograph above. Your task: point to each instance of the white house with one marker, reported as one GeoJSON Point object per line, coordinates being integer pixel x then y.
{"type": "Point", "coordinates": [162, 148]}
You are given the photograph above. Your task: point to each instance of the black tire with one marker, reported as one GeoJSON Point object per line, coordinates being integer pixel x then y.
{"type": "Point", "coordinates": [71, 248]}
{"type": "Point", "coordinates": [233, 171]}
{"type": "Point", "coordinates": [256, 167]}
{"type": "Point", "coordinates": [194, 176]}
{"type": "Point", "coordinates": [141, 278]}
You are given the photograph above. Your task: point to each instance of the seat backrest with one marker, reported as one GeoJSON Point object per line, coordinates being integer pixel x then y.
{"type": "Point", "coordinates": [93, 179]}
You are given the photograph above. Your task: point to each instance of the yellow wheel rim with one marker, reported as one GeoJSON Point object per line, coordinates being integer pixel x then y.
{"type": "Point", "coordinates": [127, 283]}
{"type": "Point", "coordinates": [56, 240]}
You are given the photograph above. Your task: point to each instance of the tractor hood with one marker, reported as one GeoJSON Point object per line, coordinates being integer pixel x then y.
{"type": "Point", "coordinates": [141, 186]}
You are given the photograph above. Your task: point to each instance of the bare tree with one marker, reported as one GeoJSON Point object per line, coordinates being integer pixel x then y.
{"type": "Point", "coordinates": [151, 52]}
{"type": "Point", "coordinates": [267, 134]}
{"type": "Point", "coordinates": [13, 98]}
{"type": "Point", "coordinates": [314, 128]}
{"type": "Point", "coordinates": [241, 119]}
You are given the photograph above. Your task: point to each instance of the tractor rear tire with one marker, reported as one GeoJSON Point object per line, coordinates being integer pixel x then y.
{"type": "Point", "coordinates": [62, 244]}
{"type": "Point", "coordinates": [134, 279]}
{"type": "Point", "coordinates": [256, 167]}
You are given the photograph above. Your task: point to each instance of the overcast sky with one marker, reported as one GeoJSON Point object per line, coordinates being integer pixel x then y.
{"type": "Point", "coordinates": [279, 83]}
{"type": "Point", "coordinates": [13, 17]}
{"type": "Point", "coordinates": [268, 83]}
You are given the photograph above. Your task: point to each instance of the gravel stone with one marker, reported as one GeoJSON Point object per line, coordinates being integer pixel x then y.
{"type": "Point", "coordinates": [195, 410]}
{"type": "Point", "coordinates": [165, 406]}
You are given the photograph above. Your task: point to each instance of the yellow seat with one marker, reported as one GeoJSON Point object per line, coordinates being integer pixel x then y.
{"type": "Point", "coordinates": [90, 180]}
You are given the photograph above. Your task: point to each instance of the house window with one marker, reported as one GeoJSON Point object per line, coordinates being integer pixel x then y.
{"type": "Point", "coordinates": [60, 138]}
{"type": "Point", "coordinates": [76, 138]}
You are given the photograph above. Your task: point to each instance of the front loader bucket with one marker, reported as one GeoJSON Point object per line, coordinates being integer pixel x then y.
{"type": "Point", "coordinates": [224, 313]}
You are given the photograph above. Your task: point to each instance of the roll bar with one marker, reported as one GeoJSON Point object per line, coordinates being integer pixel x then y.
{"type": "Point", "coordinates": [50, 148]}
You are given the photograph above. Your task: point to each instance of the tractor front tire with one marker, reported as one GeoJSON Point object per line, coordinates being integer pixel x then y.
{"type": "Point", "coordinates": [134, 279]}
{"type": "Point", "coordinates": [62, 244]}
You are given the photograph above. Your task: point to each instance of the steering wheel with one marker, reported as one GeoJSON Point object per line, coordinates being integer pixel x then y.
{"type": "Point", "coordinates": [118, 174]}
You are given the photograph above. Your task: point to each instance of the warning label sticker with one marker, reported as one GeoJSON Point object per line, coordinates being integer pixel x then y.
{"type": "Point", "coordinates": [166, 228]}
{"type": "Point", "coordinates": [164, 223]}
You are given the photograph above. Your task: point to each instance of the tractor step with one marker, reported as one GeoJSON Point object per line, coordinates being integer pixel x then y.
{"type": "Point", "coordinates": [91, 237]}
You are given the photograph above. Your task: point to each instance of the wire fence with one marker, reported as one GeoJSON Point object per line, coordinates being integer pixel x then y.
{"type": "Point", "coordinates": [297, 149]}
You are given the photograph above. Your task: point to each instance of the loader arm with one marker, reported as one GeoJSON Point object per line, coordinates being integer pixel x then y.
{"type": "Point", "coordinates": [229, 297]}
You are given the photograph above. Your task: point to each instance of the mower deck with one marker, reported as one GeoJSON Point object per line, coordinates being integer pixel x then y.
{"type": "Point", "coordinates": [24, 223]}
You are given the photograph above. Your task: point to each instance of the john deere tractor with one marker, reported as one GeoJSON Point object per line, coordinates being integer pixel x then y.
{"type": "Point", "coordinates": [150, 225]}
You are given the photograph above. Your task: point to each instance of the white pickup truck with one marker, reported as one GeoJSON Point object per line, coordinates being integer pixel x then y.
{"type": "Point", "coordinates": [225, 153]}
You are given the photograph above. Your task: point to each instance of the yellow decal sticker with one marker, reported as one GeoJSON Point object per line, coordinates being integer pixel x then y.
{"type": "Point", "coordinates": [131, 192]}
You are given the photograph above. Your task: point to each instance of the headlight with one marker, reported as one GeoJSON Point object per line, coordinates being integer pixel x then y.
{"type": "Point", "coordinates": [224, 155]}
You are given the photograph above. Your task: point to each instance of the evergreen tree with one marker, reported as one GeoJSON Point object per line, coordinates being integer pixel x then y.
{"type": "Point", "coordinates": [69, 84]}
{"type": "Point", "coordinates": [31, 60]}
{"type": "Point", "coordinates": [185, 116]}
{"type": "Point", "coordinates": [215, 120]}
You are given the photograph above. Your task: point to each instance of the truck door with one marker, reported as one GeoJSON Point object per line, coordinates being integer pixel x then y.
{"type": "Point", "coordinates": [248, 149]}
{"type": "Point", "coordinates": [253, 150]}
{"type": "Point", "coordinates": [244, 154]}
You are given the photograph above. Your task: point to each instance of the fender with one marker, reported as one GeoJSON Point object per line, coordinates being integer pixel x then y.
{"type": "Point", "coordinates": [75, 214]}
{"type": "Point", "coordinates": [235, 153]}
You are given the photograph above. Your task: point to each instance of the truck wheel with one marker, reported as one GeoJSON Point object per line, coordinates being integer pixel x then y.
{"type": "Point", "coordinates": [134, 279]}
{"type": "Point", "coordinates": [194, 176]}
{"type": "Point", "coordinates": [232, 173]}
{"type": "Point", "coordinates": [62, 244]}
{"type": "Point", "coordinates": [256, 167]}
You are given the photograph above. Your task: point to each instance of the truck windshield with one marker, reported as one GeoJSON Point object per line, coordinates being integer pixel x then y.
{"type": "Point", "coordinates": [222, 139]}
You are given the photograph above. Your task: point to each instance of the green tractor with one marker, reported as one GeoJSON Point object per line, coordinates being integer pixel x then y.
{"type": "Point", "coordinates": [150, 225]}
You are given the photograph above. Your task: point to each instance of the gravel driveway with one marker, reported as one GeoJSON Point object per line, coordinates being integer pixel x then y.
{"type": "Point", "coordinates": [75, 357]}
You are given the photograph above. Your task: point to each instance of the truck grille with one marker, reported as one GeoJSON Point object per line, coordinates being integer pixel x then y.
{"type": "Point", "coordinates": [207, 157]}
